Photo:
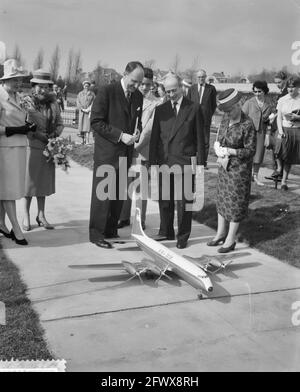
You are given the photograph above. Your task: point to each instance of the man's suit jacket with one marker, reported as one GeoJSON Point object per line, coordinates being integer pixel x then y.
{"type": "Point", "coordinates": [174, 140]}
{"type": "Point", "coordinates": [208, 103]}
{"type": "Point", "coordinates": [110, 116]}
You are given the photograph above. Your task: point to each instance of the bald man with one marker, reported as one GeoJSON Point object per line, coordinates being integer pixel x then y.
{"type": "Point", "coordinates": [206, 95]}
{"type": "Point", "coordinates": [177, 139]}
{"type": "Point", "coordinates": [115, 113]}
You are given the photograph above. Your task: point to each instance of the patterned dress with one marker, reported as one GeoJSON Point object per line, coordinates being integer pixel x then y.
{"type": "Point", "coordinates": [234, 183]}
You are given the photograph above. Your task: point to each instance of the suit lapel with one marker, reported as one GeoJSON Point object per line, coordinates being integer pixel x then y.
{"type": "Point", "coordinates": [205, 92]}
{"type": "Point", "coordinates": [123, 99]}
{"type": "Point", "coordinates": [184, 111]}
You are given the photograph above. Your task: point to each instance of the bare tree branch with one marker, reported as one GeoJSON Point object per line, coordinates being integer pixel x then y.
{"type": "Point", "coordinates": [54, 63]}
{"type": "Point", "coordinates": [39, 60]}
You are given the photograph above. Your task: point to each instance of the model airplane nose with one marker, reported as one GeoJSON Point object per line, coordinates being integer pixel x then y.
{"type": "Point", "coordinates": [210, 289]}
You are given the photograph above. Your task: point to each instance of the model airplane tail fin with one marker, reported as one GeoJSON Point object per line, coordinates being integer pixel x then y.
{"type": "Point", "coordinates": [137, 224]}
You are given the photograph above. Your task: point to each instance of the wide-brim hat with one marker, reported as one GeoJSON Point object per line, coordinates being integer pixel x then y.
{"type": "Point", "coordinates": [227, 98]}
{"type": "Point", "coordinates": [86, 82]}
{"type": "Point", "coordinates": [41, 76]}
{"type": "Point", "coordinates": [12, 70]}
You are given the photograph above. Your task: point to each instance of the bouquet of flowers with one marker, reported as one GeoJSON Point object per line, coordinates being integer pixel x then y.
{"type": "Point", "coordinates": [57, 151]}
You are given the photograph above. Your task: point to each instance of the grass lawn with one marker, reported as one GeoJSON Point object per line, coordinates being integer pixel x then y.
{"type": "Point", "coordinates": [22, 336]}
{"type": "Point", "coordinates": [273, 225]}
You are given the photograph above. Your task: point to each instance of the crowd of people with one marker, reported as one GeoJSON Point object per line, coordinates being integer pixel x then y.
{"type": "Point", "coordinates": [150, 124]}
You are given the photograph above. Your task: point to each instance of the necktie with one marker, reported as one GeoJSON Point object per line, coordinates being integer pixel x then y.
{"type": "Point", "coordinates": [174, 108]}
{"type": "Point", "coordinates": [128, 96]}
{"type": "Point", "coordinates": [200, 92]}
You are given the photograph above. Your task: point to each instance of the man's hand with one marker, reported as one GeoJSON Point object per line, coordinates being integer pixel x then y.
{"type": "Point", "coordinates": [127, 139]}
{"type": "Point", "coordinates": [136, 135]}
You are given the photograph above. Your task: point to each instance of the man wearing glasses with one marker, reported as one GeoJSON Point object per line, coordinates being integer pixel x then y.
{"type": "Point", "coordinates": [206, 95]}
{"type": "Point", "coordinates": [177, 139]}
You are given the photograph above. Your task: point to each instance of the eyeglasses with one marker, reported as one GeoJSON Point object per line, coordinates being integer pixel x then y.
{"type": "Point", "coordinates": [257, 91]}
{"type": "Point", "coordinates": [174, 90]}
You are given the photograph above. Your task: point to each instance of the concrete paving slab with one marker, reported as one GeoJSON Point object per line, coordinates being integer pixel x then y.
{"type": "Point", "coordinates": [97, 321]}
{"type": "Point", "coordinates": [198, 336]}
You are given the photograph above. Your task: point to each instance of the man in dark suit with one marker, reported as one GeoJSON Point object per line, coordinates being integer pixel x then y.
{"type": "Point", "coordinates": [206, 95]}
{"type": "Point", "coordinates": [115, 112]}
{"type": "Point", "coordinates": [177, 139]}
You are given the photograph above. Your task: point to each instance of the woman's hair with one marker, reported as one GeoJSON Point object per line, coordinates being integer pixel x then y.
{"type": "Point", "coordinates": [261, 85]}
{"type": "Point", "coordinates": [162, 87]}
{"type": "Point", "coordinates": [35, 84]}
{"type": "Point", "coordinates": [293, 81]}
{"type": "Point", "coordinates": [280, 75]}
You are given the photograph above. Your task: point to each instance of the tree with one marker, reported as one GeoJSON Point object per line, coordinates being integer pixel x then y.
{"type": "Point", "coordinates": [54, 63]}
{"type": "Point", "coordinates": [150, 63]}
{"type": "Point", "coordinates": [77, 66]}
{"type": "Point", "coordinates": [70, 66]}
{"type": "Point", "coordinates": [39, 60]}
{"type": "Point", "coordinates": [175, 64]}
{"type": "Point", "coordinates": [190, 73]}
{"type": "Point", "coordinates": [18, 56]}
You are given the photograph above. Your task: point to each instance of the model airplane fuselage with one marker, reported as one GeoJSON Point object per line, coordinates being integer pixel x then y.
{"type": "Point", "coordinates": [166, 260]}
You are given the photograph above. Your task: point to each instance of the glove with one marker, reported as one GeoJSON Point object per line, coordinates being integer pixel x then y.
{"type": "Point", "coordinates": [22, 130]}
{"type": "Point", "coordinates": [221, 152]}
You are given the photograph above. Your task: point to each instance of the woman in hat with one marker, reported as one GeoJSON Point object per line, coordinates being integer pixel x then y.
{"type": "Point", "coordinates": [288, 123]}
{"type": "Point", "coordinates": [13, 144]}
{"type": "Point", "coordinates": [85, 100]}
{"type": "Point", "coordinates": [235, 150]}
{"type": "Point", "coordinates": [259, 108]}
{"type": "Point", "coordinates": [43, 110]}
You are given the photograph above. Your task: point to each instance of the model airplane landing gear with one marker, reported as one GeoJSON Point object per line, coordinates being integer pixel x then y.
{"type": "Point", "coordinates": [200, 295]}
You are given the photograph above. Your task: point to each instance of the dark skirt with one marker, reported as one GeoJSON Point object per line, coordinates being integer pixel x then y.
{"type": "Point", "coordinates": [288, 149]}
{"type": "Point", "coordinates": [40, 174]}
{"type": "Point", "coordinates": [260, 147]}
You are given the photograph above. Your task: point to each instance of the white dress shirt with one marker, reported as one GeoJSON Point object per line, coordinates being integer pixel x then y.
{"type": "Point", "coordinates": [179, 101]}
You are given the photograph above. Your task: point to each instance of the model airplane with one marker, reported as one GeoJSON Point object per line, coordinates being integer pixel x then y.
{"type": "Point", "coordinates": [163, 260]}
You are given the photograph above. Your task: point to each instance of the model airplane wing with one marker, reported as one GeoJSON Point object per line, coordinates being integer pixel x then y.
{"type": "Point", "coordinates": [112, 266]}
{"type": "Point", "coordinates": [216, 263]}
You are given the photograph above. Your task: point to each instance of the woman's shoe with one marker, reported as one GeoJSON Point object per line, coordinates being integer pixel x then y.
{"type": "Point", "coordinates": [26, 227]}
{"type": "Point", "coordinates": [7, 235]}
{"type": "Point", "coordinates": [256, 180]}
{"type": "Point", "coordinates": [18, 242]}
{"type": "Point", "coordinates": [227, 249]}
{"type": "Point", "coordinates": [216, 242]}
{"type": "Point", "coordinates": [44, 223]}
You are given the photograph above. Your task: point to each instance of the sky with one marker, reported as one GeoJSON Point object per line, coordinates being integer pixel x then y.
{"type": "Point", "coordinates": [233, 36]}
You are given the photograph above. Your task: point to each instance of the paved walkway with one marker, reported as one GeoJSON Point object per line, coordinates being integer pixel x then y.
{"type": "Point", "coordinates": [99, 322]}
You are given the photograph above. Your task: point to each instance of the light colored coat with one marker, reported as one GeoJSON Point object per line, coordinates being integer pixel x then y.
{"type": "Point", "coordinates": [11, 115]}
{"type": "Point", "coordinates": [142, 147]}
{"type": "Point", "coordinates": [258, 115]}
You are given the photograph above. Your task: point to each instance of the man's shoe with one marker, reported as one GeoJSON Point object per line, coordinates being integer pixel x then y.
{"type": "Point", "coordinates": [162, 237]}
{"type": "Point", "coordinates": [103, 244]}
{"type": "Point", "coordinates": [181, 244]}
{"type": "Point", "coordinates": [123, 223]}
{"type": "Point", "coordinates": [111, 235]}
{"type": "Point", "coordinates": [284, 187]}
